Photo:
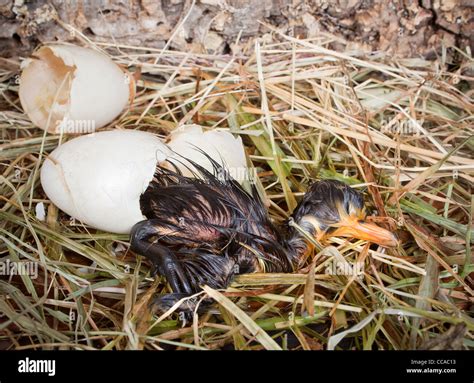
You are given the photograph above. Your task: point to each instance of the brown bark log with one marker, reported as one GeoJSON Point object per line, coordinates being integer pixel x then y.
{"type": "Point", "coordinates": [403, 28]}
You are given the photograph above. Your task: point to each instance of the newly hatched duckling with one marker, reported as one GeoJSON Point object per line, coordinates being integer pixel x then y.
{"type": "Point", "coordinates": [205, 230]}
{"type": "Point", "coordinates": [202, 227]}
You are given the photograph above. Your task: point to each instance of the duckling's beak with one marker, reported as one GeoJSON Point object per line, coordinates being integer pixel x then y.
{"type": "Point", "coordinates": [352, 227]}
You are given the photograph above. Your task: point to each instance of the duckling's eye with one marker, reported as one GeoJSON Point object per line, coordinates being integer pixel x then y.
{"type": "Point", "coordinates": [351, 209]}
{"type": "Point", "coordinates": [347, 207]}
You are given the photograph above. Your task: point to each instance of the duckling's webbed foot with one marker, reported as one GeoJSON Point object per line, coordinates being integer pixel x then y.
{"type": "Point", "coordinates": [202, 268]}
{"type": "Point", "coordinates": [163, 260]}
{"type": "Point", "coordinates": [186, 269]}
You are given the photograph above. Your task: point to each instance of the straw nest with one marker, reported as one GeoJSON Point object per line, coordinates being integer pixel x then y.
{"type": "Point", "coordinates": [398, 129]}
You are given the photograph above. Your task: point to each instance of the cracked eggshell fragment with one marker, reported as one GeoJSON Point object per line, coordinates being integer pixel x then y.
{"type": "Point", "coordinates": [222, 146]}
{"type": "Point", "coordinates": [81, 87]}
{"type": "Point", "coordinates": [98, 178]}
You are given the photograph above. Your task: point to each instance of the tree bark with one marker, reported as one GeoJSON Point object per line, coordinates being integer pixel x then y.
{"type": "Point", "coordinates": [403, 28]}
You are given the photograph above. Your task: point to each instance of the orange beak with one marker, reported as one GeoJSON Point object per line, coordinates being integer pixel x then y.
{"type": "Point", "coordinates": [352, 227]}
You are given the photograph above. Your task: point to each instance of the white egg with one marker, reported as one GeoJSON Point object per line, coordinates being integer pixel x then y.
{"type": "Point", "coordinates": [226, 149]}
{"type": "Point", "coordinates": [73, 89]}
{"type": "Point", "coordinates": [98, 178]}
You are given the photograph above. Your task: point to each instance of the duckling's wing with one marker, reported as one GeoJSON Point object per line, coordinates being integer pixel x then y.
{"type": "Point", "coordinates": [213, 208]}
{"type": "Point", "coordinates": [211, 198]}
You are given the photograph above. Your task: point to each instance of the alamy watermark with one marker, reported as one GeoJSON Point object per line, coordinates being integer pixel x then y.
{"type": "Point", "coordinates": [237, 173]}
{"type": "Point", "coordinates": [344, 268]}
{"type": "Point", "coordinates": [67, 125]}
{"type": "Point", "coordinates": [401, 127]}
{"type": "Point", "coordinates": [34, 366]}
{"type": "Point", "coordinates": [12, 268]}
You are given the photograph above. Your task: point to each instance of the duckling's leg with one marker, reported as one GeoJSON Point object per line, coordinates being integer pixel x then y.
{"type": "Point", "coordinates": [202, 268]}
{"type": "Point", "coordinates": [165, 262]}
{"type": "Point", "coordinates": [187, 269]}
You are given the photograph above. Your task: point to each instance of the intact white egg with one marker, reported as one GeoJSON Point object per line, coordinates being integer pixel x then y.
{"type": "Point", "coordinates": [98, 178]}
{"type": "Point", "coordinates": [73, 89]}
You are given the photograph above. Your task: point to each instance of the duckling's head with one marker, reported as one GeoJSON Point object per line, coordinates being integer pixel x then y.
{"type": "Point", "coordinates": [333, 209]}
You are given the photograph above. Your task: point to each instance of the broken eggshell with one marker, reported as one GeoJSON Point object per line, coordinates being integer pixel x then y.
{"type": "Point", "coordinates": [70, 89]}
{"type": "Point", "coordinates": [223, 147]}
{"type": "Point", "coordinates": [98, 178]}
